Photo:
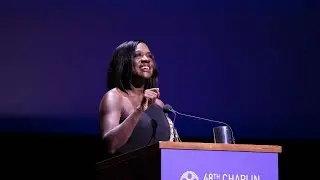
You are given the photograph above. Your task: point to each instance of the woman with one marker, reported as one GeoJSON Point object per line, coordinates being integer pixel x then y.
{"type": "Point", "coordinates": [131, 114]}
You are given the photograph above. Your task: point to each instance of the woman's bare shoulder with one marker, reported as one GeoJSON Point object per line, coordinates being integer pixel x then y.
{"type": "Point", "coordinates": [111, 99]}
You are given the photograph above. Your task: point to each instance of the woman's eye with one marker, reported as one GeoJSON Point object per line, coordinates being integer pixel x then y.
{"type": "Point", "coordinates": [137, 55]}
{"type": "Point", "coordinates": [140, 55]}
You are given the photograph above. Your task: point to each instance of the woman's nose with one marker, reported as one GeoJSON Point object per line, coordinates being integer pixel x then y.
{"type": "Point", "coordinates": [145, 59]}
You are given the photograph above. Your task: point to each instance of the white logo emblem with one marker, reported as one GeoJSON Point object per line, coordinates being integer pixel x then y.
{"type": "Point", "coordinates": [189, 175]}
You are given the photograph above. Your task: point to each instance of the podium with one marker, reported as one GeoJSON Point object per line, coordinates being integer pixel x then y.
{"type": "Point", "coordinates": [193, 161]}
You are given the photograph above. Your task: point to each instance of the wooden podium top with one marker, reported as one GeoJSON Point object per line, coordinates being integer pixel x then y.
{"type": "Point", "coordinates": [155, 148]}
{"type": "Point", "coordinates": [220, 147]}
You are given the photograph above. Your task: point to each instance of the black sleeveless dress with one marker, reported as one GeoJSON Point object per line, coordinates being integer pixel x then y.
{"type": "Point", "coordinates": [152, 127]}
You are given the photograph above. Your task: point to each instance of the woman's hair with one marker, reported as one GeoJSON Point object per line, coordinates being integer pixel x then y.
{"type": "Point", "coordinates": [120, 70]}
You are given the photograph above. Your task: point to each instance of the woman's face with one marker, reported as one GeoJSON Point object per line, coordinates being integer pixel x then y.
{"type": "Point", "coordinates": [143, 62]}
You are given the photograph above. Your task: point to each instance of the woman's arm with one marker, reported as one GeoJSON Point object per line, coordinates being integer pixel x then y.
{"type": "Point", "coordinates": [115, 134]}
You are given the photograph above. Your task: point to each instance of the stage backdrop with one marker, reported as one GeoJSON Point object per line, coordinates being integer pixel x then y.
{"type": "Point", "coordinates": [252, 64]}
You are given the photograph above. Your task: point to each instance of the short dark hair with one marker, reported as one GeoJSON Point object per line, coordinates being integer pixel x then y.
{"type": "Point", "coordinates": [121, 68]}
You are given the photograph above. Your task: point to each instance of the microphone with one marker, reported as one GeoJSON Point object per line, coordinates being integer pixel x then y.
{"type": "Point", "coordinates": [168, 108]}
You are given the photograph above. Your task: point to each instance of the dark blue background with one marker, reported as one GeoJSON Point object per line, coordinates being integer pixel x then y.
{"type": "Point", "coordinates": [252, 64]}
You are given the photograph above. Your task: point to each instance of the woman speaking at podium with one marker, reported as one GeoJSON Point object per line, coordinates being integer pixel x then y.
{"type": "Point", "coordinates": [131, 114]}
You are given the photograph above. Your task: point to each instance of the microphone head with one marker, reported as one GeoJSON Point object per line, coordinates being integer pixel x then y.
{"type": "Point", "coordinates": [167, 108]}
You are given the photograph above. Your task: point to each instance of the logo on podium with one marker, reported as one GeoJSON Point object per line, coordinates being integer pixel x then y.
{"type": "Point", "coordinates": [189, 175]}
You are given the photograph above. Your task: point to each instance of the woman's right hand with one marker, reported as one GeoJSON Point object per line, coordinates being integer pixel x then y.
{"type": "Point", "coordinates": [150, 96]}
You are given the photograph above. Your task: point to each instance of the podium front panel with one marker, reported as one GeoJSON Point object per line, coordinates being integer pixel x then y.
{"type": "Point", "coordinates": [218, 165]}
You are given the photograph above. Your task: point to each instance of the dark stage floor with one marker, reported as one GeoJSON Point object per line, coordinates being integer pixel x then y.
{"type": "Point", "coordinates": [52, 156]}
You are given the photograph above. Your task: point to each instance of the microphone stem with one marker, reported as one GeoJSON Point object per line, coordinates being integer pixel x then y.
{"type": "Point", "coordinates": [196, 117]}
